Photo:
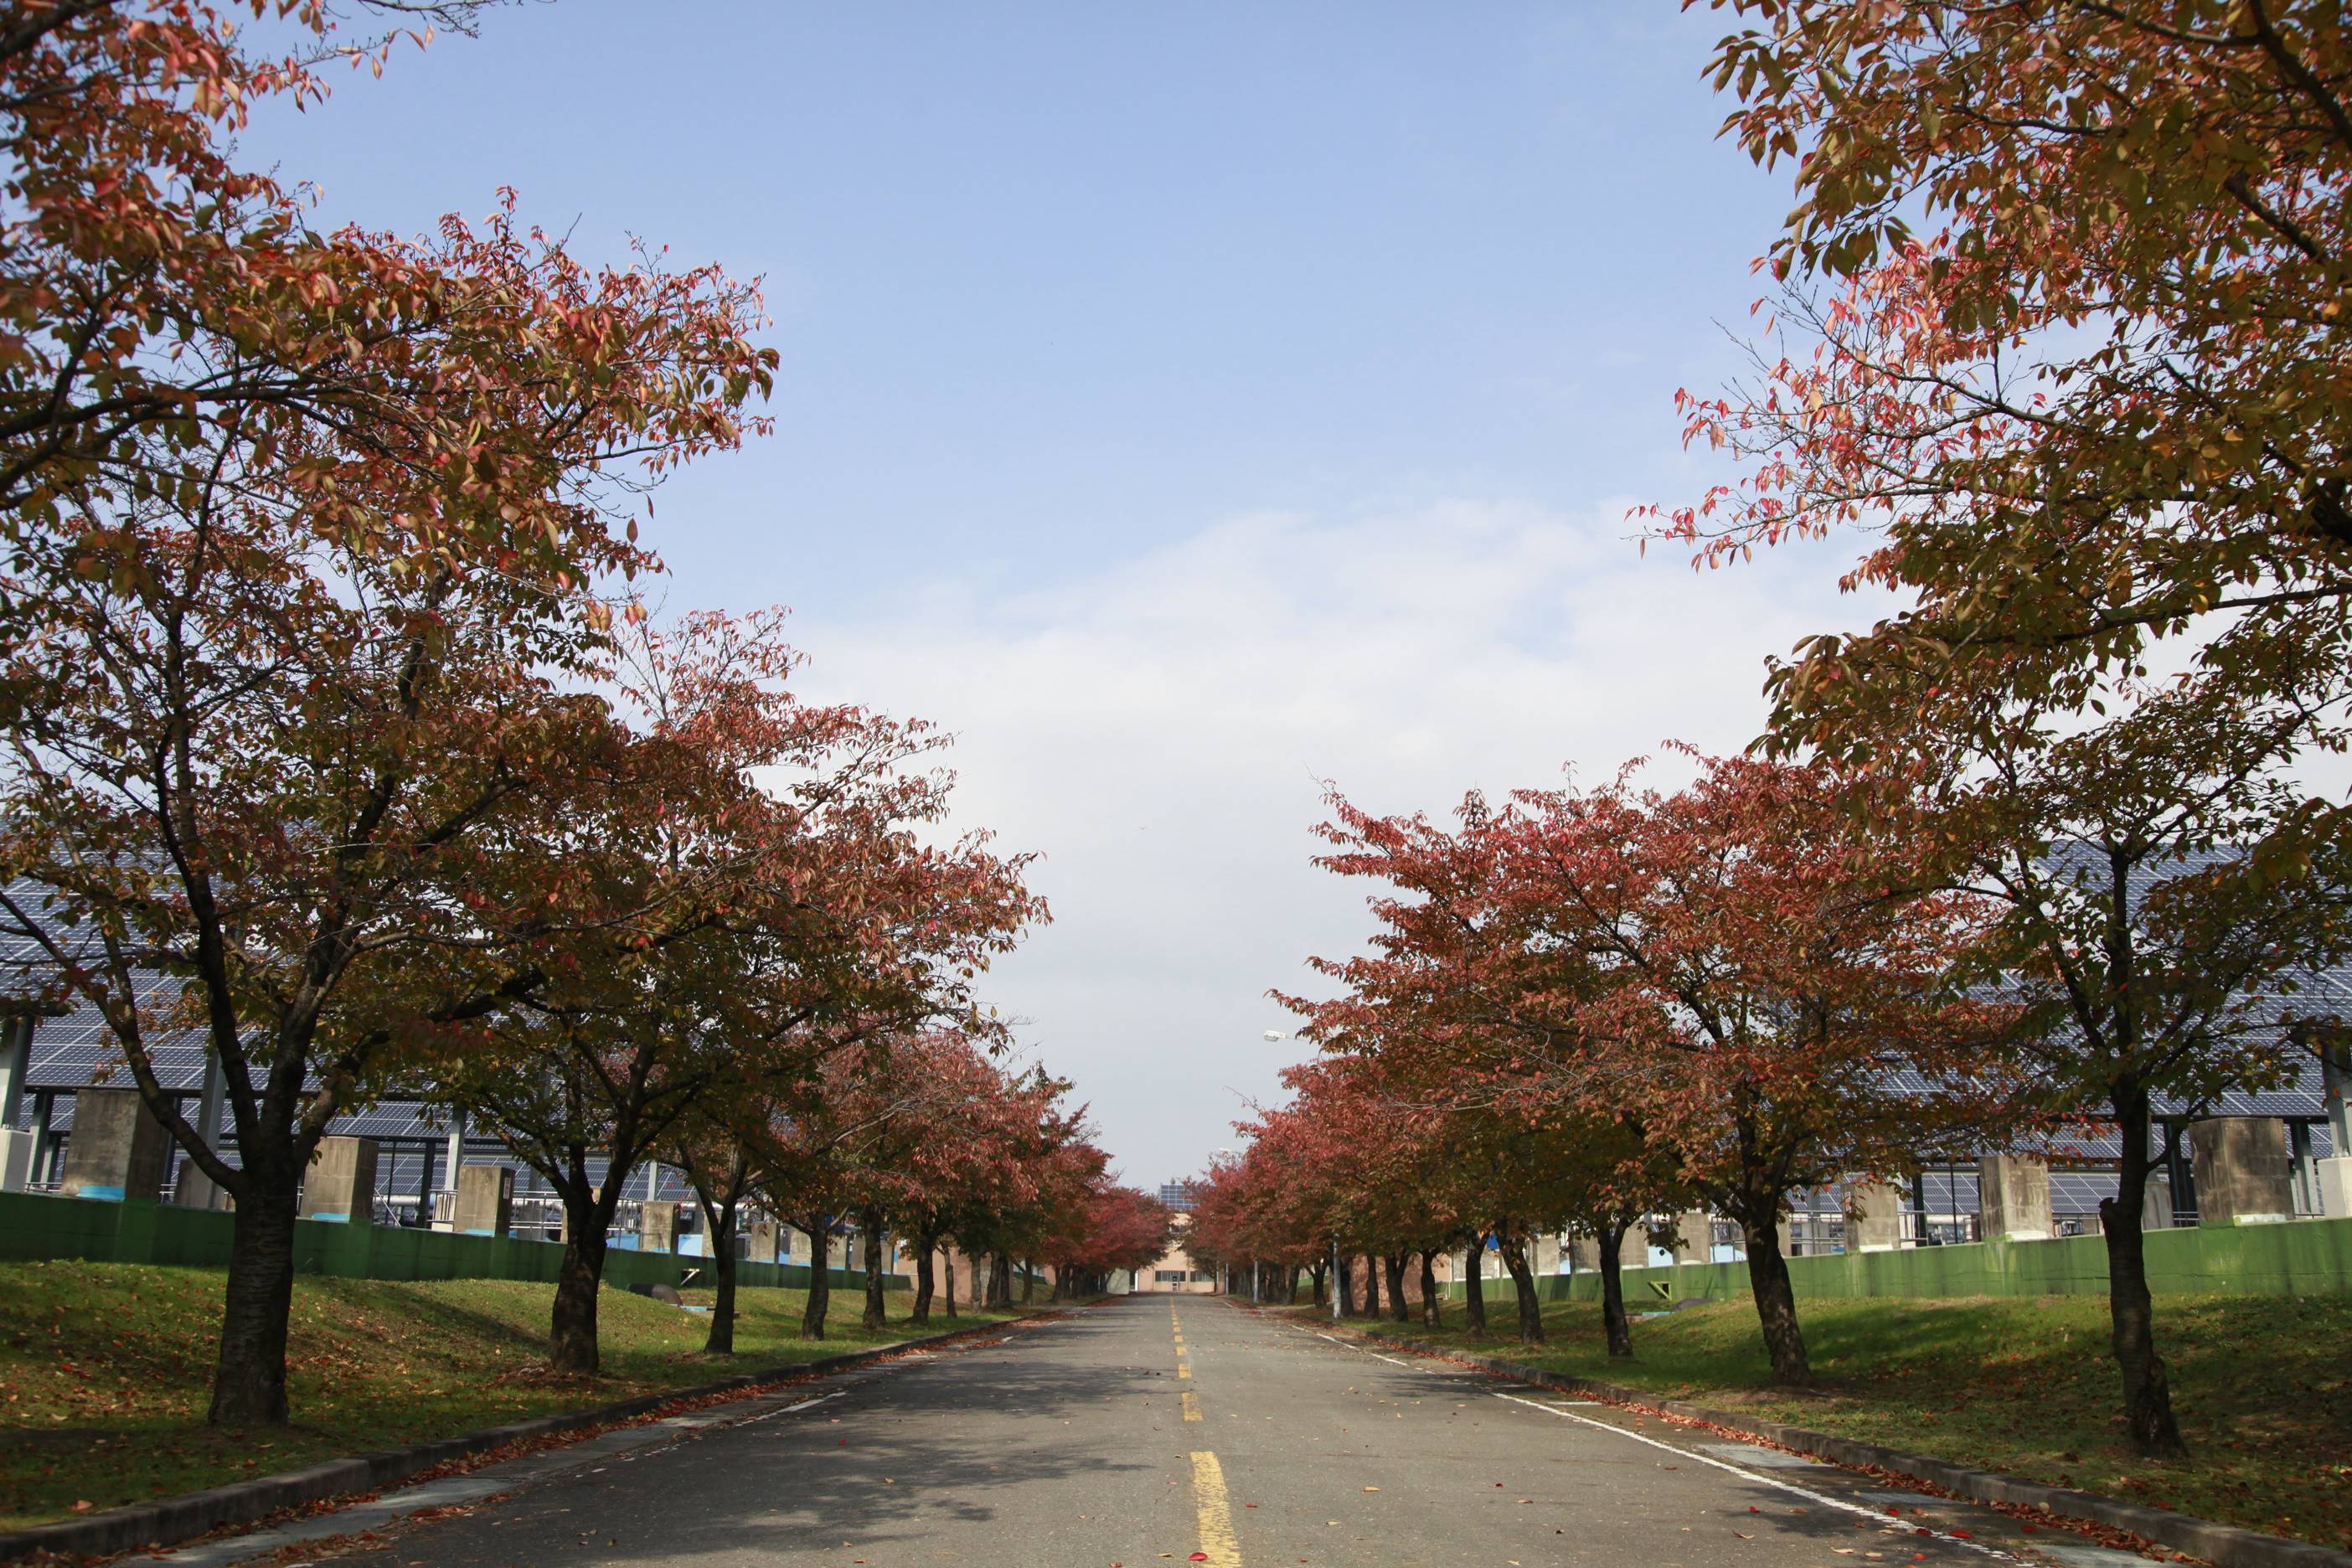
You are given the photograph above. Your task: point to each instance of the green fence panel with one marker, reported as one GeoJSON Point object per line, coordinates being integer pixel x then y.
{"type": "Point", "coordinates": [36, 1226]}
{"type": "Point", "coordinates": [2298, 1257]}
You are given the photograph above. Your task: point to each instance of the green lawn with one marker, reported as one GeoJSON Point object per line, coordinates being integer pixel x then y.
{"type": "Point", "coordinates": [2262, 1386]}
{"type": "Point", "coordinates": [107, 1370]}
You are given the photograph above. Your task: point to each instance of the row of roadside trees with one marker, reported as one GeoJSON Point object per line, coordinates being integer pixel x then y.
{"type": "Point", "coordinates": [2057, 322]}
{"type": "Point", "coordinates": [341, 739]}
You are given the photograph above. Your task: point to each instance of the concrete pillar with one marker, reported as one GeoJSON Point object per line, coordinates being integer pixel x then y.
{"type": "Point", "coordinates": [484, 1204]}
{"type": "Point", "coordinates": [118, 1151]}
{"type": "Point", "coordinates": [657, 1227]}
{"type": "Point", "coordinates": [1633, 1250]}
{"type": "Point", "coordinates": [766, 1234]}
{"type": "Point", "coordinates": [2242, 1170]}
{"type": "Point", "coordinates": [2013, 1199]}
{"type": "Point", "coordinates": [453, 1161]}
{"type": "Point", "coordinates": [16, 1146]}
{"type": "Point", "coordinates": [2336, 1186]}
{"type": "Point", "coordinates": [1873, 1216]}
{"type": "Point", "coordinates": [339, 1185]}
{"type": "Point", "coordinates": [2155, 1204]}
{"type": "Point", "coordinates": [1693, 1237]}
{"type": "Point", "coordinates": [15, 1064]}
{"type": "Point", "coordinates": [195, 1190]}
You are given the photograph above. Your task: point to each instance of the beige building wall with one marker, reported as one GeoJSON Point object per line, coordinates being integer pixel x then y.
{"type": "Point", "coordinates": [1176, 1273]}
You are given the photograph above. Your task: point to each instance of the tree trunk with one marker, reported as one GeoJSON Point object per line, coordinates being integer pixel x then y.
{"type": "Point", "coordinates": [1399, 1307]}
{"type": "Point", "coordinates": [870, 1225]}
{"type": "Point", "coordinates": [1776, 1298]}
{"type": "Point", "coordinates": [1344, 1283]}
{"type": "Point", "coordinates": [925, 1283]}
{"type": "Point", "coordinates": [1432, 1315]}
{"type": "Point", "coordinates": [1028, 1281]}
{"type": "Point", "coordinates": [820, 1291]}
{"type": "Point", "coordinates": [998, 1292]}
{"type": "Point", "coordinates": [1474, 1290]}
{"type": "Point", "coordinates": [2131, 1311]}
{"type": "Point", "coordinates": [249, 1376]}
{"type": "Point", "coordinates": [571, 1336]}
{"type": "Point", "coordinates": [1316, 1276]}
{"type": "Point", "coordinates": [719, 1226]}
{"type": "Point", "coordinates": [1614, 1321]}
{"type": "Point", "coordinates": [1523, 1279]}
{"type": "Point", "coordinates": [947, 1272]}
{"type": "Point", "coordinates": [1372, 1284]}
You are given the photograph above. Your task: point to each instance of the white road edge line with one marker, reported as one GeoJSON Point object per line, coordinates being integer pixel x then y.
{"type": "Point", "coordinates": [787, 1410]}
{"type": "Point", "coordinates": [1806, 1492]}
{"type": "Point", "coordinates": [805, 1403]}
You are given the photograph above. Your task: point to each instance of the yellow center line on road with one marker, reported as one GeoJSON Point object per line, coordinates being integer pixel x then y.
{"type": "Point", "coordinates": [1217, 1542]}
{"type": "Point", "coordinates": [1184, 1371]}
{"type": "Point", "coordinates": [1191, 1407]}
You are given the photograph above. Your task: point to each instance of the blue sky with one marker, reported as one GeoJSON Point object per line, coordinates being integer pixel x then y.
{"type": "Point", "coordinates": [1183, 405]}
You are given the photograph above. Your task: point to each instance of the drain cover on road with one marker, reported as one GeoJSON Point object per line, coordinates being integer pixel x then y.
{"type": "Point", "coordinates": [2091, 1556]}
{"type": "Point", "coordinates": [1762, 1458]}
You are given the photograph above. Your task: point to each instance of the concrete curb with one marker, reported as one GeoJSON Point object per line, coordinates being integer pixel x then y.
{"type": "Point", "coordinates": [172, 1520]}
{"type": "Point", "coordinates": [2225, 1545]}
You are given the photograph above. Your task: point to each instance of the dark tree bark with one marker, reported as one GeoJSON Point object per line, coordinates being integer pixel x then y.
{"type": "Point", "coordinates": [1432, 1314]}
{"type": "Point", "coordinates": [820, 1291]}
{"type": "Point", "coordinates": [571, 1336]}
{"type": "Point", "coordinates": [869, 1225]}
{"type": "Point", "coordinates": [1399, 1307]}
{"type": "Point", "coordinates": [1614, 1321]}
{"type": "Point", "coordinates": [924, 1281]}
{"type": "Point", "coordinates": [1523, 1279]}
{"type": "Point", "coordinates": [947, 1273]}
{"type": "Point", "coordinates": [1028, 1281]}
{"type": "Point", "coordinates": [999, 1294]}
{"type": "Point", "coordinates": [1474, 1290]}
{"type": "Point", "coordinates": [720, 1196]}
{"type": "Point", "coordinates": [2131, 1311]}
{"type": "Point", "coordinates": [1776, 1297]}
{"type": "Point", "coordinates": [1316, 1273]}
{"type": "Point", "coordinates": [1344, 1281]}
{"type": "Point", "coordinates": [721, 1228]}
{"type": "Point", "coordinates": [250, 1377]}
{"type": "Point", "coordinates": [1372, 1284]}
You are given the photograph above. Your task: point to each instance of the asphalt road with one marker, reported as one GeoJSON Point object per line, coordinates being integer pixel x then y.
{"type": "Point", "coordinates": [1156, 1427]}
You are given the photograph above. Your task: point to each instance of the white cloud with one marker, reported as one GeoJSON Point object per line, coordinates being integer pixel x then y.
{"type": "Point", "coordinates": [1159, 730]}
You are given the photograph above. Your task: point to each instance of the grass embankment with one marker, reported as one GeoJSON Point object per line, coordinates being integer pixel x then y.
{"type": "Point", "coordinates": [2019, 1385]}
{"type": "Point", "coordinates": [107, 1370]}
